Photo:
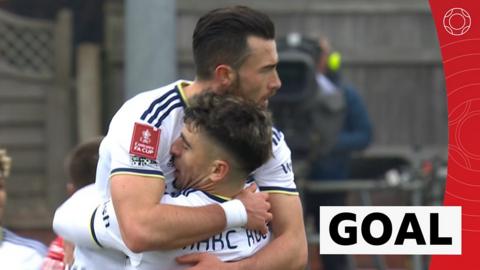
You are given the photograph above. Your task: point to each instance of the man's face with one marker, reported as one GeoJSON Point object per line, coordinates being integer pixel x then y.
{"type": "Point", "coordinates": [3, 198]}
{"type": "Point", "coordinates": [257, 78]}
{"type": "Point", "coordinates": [191, 154]}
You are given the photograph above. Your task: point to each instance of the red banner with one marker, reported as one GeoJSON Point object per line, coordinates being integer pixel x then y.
{"type": "Point", "coordinates": [458, 30]}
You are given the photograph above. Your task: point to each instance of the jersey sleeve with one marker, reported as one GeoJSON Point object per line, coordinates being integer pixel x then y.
{"type": "Point", "coordinates": [134, 146]}
{"type": "Point", "coordinates": [276, 176]}
{"type": "Point", "coordinates": [71, 219]}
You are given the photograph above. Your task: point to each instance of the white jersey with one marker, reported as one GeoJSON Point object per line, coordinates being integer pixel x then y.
{"type": "Point", "coordinates": [138, 143]}
{"type": "Point", "coordinates": [141, 134]}
{"type": "Point", "coordinates": [230, 245]}
{"type": "Point", "coordinates": [20, 253]}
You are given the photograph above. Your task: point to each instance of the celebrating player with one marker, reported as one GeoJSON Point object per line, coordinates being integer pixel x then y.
{"type": "Point", "coordinates": [235, 52]}
{"type": "Point", "coordinates": [211, 165]}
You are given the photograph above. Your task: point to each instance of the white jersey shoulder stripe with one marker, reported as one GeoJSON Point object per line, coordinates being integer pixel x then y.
{"type": "Point", "coordinates": [165, 114]}
{"type": "Point", "coordinates": [161, 107]}
{"type": "Point", "coordinates": [157, 102]}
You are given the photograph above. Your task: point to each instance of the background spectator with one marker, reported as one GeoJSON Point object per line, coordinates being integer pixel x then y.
{"type": "Point", "coordinates": [16, 252]}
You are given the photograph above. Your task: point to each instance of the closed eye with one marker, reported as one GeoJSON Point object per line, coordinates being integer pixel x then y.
{"type": "Point", "coordinates": [185, 143]}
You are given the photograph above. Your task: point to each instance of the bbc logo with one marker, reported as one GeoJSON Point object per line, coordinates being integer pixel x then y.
{"type": "Point", "coordinates": [390, 230]}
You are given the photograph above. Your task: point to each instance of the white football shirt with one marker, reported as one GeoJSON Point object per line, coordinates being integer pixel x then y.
{"type": "Point", "coordinates": [138, 143]}
{"type": "Point", "coordinates": [141, 133]}
{"type": "Point", "coordinates": [230, 245]}
{"type": "Point", "coordinates": [20, 253]}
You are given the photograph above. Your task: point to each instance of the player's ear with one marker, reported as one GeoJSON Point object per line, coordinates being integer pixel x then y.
{"type": "Point", "coordinates": [219, 170]}
{"type": "Point", "coordinates": [224, 75]}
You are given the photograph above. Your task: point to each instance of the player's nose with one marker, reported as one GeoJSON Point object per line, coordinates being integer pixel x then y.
{"type": "Point", "coordinates": [175, 149]}
{"type": "Point", "coordinates": [274, 84]}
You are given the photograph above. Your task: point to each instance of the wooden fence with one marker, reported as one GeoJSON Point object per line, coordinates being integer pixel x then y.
{"type": "Point", "coordinates": [35, 114]}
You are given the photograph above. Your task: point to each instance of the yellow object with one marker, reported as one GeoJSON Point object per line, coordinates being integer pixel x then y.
{"type": "Point", "coordinates": [334, 61]}
{"type": "Point", "coordinates": [5, 162]}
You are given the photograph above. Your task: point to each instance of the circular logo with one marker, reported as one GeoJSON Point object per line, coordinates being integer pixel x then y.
{"type": "Point", "coordinates": [457, 21]}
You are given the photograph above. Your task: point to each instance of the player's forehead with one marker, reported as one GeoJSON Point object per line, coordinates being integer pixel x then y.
{"type": "Point", "coordinates": [195, 135]}
{"type": "Point", "coordinates": [190, 133]}
{"type": "Point", "coordinates": [259, 47]}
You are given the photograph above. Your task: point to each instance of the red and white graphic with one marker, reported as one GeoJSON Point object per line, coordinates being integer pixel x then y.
{"type": "Point", "coordinates": [146, 136]}
{"type": "Point", "coordinates": [145, 141]}
{"type": "Point", "coordinates": [457, 21]}
{"type": "Point", "coordinates": [460, 49]}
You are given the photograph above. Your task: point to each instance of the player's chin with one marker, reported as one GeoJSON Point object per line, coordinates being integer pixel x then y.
{"type": "Point", "coordinates": [263, 103]}
{"type": "Point", "coordinates": [180, 182]}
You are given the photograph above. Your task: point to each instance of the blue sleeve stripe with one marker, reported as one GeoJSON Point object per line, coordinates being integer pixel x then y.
{"type": "Point", "coordinates": [279, 189]}
{"type": "Point", "coordinates": [136, 171]}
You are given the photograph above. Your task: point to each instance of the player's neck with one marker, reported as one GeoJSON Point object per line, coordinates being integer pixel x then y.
{"type": "Point", "coordinates": [197, 87]}
{"type": "Point", "coordinates": [228, 188]}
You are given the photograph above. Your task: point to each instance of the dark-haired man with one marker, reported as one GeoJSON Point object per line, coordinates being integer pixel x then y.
{"type": "Point", "coordinates": [234, 51]}
{"type": "Point", "coordinates": [211, 168]}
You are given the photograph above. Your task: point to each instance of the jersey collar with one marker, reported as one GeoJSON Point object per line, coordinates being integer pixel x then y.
{"type": "Point", "coordinates": [180, 85]}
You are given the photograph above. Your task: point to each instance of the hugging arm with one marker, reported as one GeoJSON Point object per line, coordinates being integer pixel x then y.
{"type": "Point", "coordinates": [146, 224]}
{"type": "Point", "coordinates": [289, 241]}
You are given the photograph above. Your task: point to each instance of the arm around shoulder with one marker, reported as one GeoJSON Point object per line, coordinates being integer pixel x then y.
{"type": "Point", "coordinates": [146, 224]}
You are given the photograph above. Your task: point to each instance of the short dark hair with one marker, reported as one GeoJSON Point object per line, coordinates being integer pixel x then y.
{"type": "Point", "coordinates": [81, 163]}
{"type": "Point", "coordinates": [240, 127]}
{"type": "Point", "coordinates": [220, 37]}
